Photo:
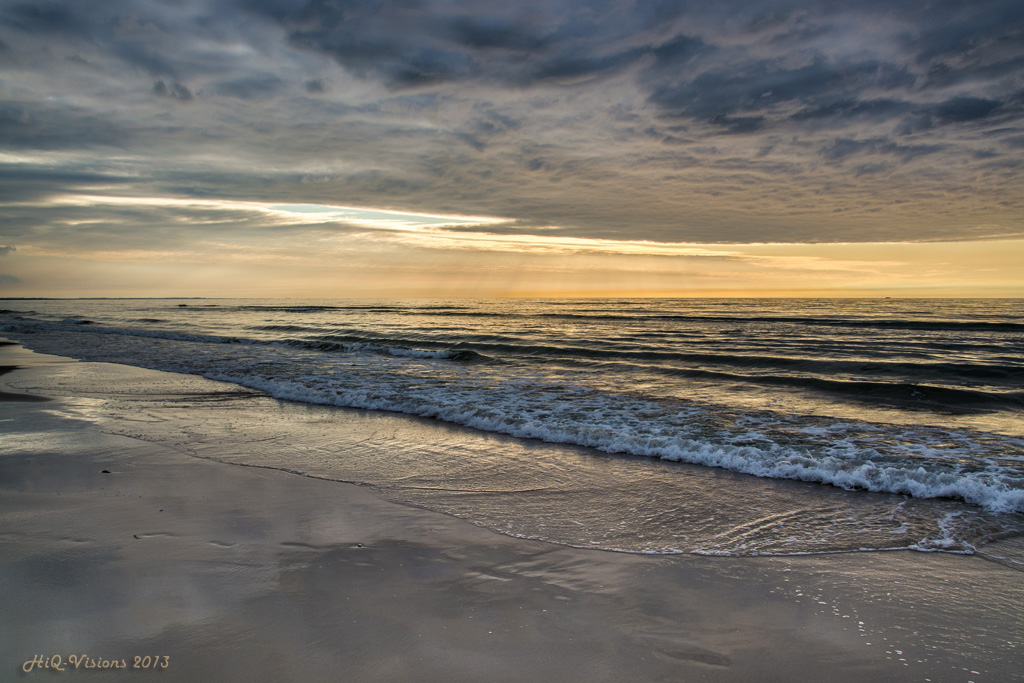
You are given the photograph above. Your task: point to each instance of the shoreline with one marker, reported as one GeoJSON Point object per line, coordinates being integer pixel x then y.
{"type": "Point", "coordinates": [246, 573]}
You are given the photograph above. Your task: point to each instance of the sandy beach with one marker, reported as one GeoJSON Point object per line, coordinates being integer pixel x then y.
{"type": "Point", "coordinates": [121, 550]}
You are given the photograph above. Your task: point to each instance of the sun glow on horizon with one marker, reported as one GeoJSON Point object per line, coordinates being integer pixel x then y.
{"type": "Point", "coordinates": [211, 247]}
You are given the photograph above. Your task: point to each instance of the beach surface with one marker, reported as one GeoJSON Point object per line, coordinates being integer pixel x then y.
{"type": "Point", "coordinates": [118, 549]}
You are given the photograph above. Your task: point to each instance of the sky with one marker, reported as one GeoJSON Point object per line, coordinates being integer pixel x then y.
{"type": "Point", "coordinates": [441, 148]}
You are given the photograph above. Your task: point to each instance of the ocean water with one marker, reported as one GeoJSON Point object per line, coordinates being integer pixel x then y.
{"type": "Point", "coordinates": [635, 420]}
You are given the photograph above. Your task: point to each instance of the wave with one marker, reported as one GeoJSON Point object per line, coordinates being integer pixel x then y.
{"type": "Point", "coordinates": [824, 367]}
{"type": "Point", "coordinates": [911, 372]}
{"type": "Point", "coordinates": [612, 429]}
{"type": "Point", "coordinates": [335, 344]}
{"type": "Point", "coordinates": [912, 394]}
{"type": "Point", "coordinates": [904, 394]}
{"type": "Point", "coordinates": [978, 325]}
{"type": "Point", "coordinates": [898, 394]}
{"type": "Point", "coordinates": [328, 343]}
{"type": "Point", "coordinates": [73, 325]}
{"type": "Point", "coordinates": [487, 345]}
{"type": "Point", "coordinates": [313, 308]}
{"type": "Point", "coordinates": [465, 355]}
{"type": "Point", "coordinates": [897, 383]}
{"type": "Point", "coordinates": [519, 400]}
{"type": "Point", "coordinates": [283, 328]}
{"type": "Point", "coordinates": [510, 347]}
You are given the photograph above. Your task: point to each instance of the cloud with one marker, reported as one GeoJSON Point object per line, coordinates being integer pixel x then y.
{"type": "Point", "coordinates": [259, 87]}
{"type": "Point", "coordinates": [777, 121]}
{"type": "Point", "coordinates": [761, 85]}
{"type": "Point", "coordinates": [25, 182]}
{"type": "Point", "coordinates": [9, 279]}
{"type": "Point", "coordinates": [4, 251]}
{"type": "Point", "coordinates": [175, 91]}
{"type": "Point", "coordinates": [960, 109]}
{"type": "Point", "coordinates": [46, 126]}
{"type": "Point", "coordinates": [841, 148]}
{"type": "Point", "coordinates": [417, 45]}
{"type": "Point", "coordinates": [44, 18]}
{"type": "Point", "coordinates": [839, 112]}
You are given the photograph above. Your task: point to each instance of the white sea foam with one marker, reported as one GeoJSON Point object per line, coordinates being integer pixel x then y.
{"type": "Point", "coordinates": [608, 424]}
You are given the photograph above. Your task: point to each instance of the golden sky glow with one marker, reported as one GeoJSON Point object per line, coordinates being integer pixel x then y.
{"type": "Point", "coordinates": [311, 251]}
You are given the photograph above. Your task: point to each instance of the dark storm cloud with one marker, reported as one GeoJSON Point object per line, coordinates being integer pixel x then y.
{"type": "Point", "coordinates": [260, 87]}
{"type": "Point", "coordinates": [44, 18]}
{"type": "Point", "coordinates": [841, 111]}
{"type": "Point", "coordinates": [113, 29]}
{"type": "Point", "coordinates": [142, 57]}
{"type": "Point", "coordinates": [46, 126]}
{"type": "Point", "coordinates": [969, 34]}
{"type": "Point", "coordinates": [415, 45]}
{"type": "Point", "coordinates": [762, 85]}
{"type": "Point", "coordinates": [175, 91]}
{"type": "Point", "coordinates": [841, 148]}
{"type": "Point", "coordinates": [960, 109]}
{"type": "Point", "coordinates": [485, 33]}
{"type": "Point", "coordinates": [660, 120]}
{"type": "Point", "coordinates": [26, 183]}
{"type": "Point", "coordinates": [706, 72]}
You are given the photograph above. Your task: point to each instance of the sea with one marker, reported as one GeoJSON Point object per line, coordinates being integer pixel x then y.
{"type": "Point", "coordinates": [702, 426]}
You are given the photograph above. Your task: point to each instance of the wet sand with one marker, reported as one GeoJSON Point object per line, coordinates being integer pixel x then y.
{"type": "Point", "coordinates": [116, 548]}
